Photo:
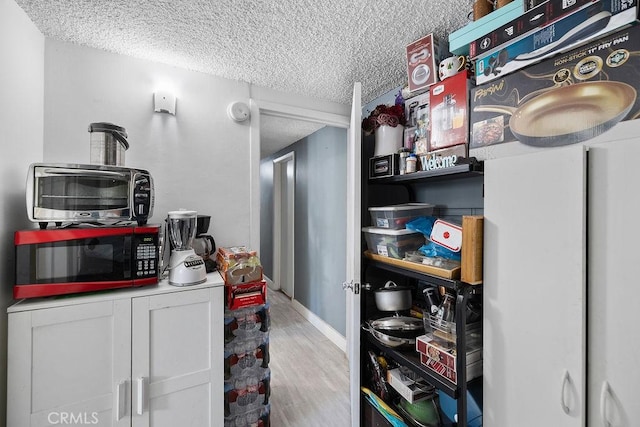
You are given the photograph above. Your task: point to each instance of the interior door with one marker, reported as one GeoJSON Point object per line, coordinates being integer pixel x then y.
{"type": "Point", "coordinates": [614, 350]}
{"type": "Point", "coordinates": [534, 291]}
{"type": "Point", "coordinates": [354, 252]}
{"type": "Point", "coordinates": [177, 359]}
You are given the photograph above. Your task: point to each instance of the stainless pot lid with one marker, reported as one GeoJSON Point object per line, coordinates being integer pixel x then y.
{"type": "Point", "coordinates": [397, 323]}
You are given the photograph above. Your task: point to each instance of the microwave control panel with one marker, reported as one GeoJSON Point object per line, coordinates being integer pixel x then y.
{"type": "Point", "coordinates": [146, 256]}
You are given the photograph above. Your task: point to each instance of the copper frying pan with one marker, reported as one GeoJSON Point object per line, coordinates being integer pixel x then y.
{"type": "Point", "coordinates": [568, 114]}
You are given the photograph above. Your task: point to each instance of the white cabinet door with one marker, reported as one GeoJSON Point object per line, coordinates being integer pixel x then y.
{"type": "Point", "coordinates": [534, 290]}
{"type": "Point", "coordinates": [354, 252]}
{"type": "Point", "coordinates": [614, 314]}
{"type": "Point", "coordinates": [70, 365]}
{"type": "Point", "coordinates": [177, 359]}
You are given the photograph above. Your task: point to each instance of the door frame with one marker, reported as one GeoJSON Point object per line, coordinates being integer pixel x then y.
{"type": "Point", "coordinates": [274, 109]}
{"type": "Point", "coordinates": [279, 212]}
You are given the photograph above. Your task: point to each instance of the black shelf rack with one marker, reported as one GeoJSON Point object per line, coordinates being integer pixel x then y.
{"type": "Point", "coordinates": [466, 168]}
{"type": "Point", "coordinates": [409, 357]}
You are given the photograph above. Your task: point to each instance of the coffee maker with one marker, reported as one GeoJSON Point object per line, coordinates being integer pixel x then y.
{"type": "Point", "coordinates": [185, 267]}
{"type": "Point", "coordinates": [203, 244]}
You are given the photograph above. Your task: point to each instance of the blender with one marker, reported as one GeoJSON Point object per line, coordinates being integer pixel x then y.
{"type": "Point", "coordinates": [185, 267]}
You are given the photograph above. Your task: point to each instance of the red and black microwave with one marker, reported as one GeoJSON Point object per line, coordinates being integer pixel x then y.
{"type": "Point", "coordinates": [84, 259]}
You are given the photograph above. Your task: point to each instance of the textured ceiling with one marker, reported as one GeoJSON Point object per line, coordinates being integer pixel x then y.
{"type": "Point", "coordinates": [316, 48]}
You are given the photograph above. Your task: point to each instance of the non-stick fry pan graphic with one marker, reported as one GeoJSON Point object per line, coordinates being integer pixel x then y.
{"type": "Point", "coordinates": [568, 114]}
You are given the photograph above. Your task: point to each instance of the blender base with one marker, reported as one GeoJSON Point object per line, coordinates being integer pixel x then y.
{"type": "Point", "coordinates": [186, 268]}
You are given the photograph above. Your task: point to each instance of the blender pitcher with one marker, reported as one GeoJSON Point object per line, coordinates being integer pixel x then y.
{"type": "Point", "coordinates": [185, 267]}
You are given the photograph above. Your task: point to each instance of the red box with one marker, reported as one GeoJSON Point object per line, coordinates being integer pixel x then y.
{"type": "Point", "coordinates": [449, 112]}
{"type": "Point", "coordinates": [423, 56]}
{"type": "Point", "coordinates": [446, 356]}
{"type": "Point", "coordinates": [474, 369]}
{"type": "Point", "coordinates": [246, 294]}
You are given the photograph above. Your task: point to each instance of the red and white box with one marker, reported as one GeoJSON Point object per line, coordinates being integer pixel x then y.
{"type": "Point", "coordinates": [449, 105]}
{"type": "Point", "coordinates": [474, 369]}
{"type": "Point", "coordinates": [423, 57]}
{"type": "Point", "coordinates": [447, 234]}
{"type": "Point", "coordinates": [445, 354]}
{"type": "Point", "coordinates": [246, 294]}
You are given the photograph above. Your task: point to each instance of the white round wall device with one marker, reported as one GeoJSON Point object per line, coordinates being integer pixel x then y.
{"type": "Point", "coordinates": [238, 111]}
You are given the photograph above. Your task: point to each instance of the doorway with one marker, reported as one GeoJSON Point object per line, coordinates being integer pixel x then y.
{"type": "Point", "coordinates": [284, 223]}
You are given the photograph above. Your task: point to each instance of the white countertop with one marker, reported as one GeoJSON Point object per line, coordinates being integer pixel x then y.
{"type": "Point", "coordinates": [213, 280]}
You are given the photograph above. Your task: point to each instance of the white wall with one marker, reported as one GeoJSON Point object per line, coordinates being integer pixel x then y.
{"type": "Point", "coordinates": [21, 117]}
{"type": "Point", "coordinates": [198, 158]}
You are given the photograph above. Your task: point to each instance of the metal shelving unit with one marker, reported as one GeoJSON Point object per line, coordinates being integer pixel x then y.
{"type": "Point", "coordinates": [409, 357]}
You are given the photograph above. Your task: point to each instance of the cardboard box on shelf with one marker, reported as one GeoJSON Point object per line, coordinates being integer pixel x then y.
{"type": "Point", "coordinates": [446, 356]}
{"type": "Point", "coordinates": [459, 40]}
{"type": "Point", "coordinates": [563, 100]}
{"type": "Point", "coordinates": [409, 385]}
{"type": "Point", "coordinates": [417, 130]}
{"type": "Point", "coordinates": [474, 369]}
{"type": "Point", "coordinates": [576, 29]}
{"type": "Point", "coordinates": [532, 20]}
{"type": "Point", "coordinates": [449, 112]}
{"type": "Point", "coordinates": [472, 243]}
{"type": "Point", "coordinates": [423, 56]}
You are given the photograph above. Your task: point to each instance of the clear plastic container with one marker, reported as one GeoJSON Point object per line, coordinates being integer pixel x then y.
{"type": "Point", "coordinates": [396, 216]}
{"type": "Point", "coordinates": [392, 243]}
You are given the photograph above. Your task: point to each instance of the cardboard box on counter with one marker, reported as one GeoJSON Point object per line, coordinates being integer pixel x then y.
{"type": "Point", "coordinates": [563, 100]}
{"type": "Point", "coordinates": [238, 265]}
{"type": "Point", "coordinates": [532, 20]}
{"type": "Point", "coordinates": [459, 40]}
{"type": "Point", "coordinates": [472, 243]}
{"type": "Point", "coordinates": [589, 23]}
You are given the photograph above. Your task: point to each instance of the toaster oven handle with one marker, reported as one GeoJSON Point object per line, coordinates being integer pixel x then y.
{"type": "Point", "coordinates": [74, 172]}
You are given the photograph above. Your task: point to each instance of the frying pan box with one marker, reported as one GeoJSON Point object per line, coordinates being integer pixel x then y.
{"type": "Point", "coordinates": [543, 105]}
{"type": "Point", "coordinates": [587, 23]}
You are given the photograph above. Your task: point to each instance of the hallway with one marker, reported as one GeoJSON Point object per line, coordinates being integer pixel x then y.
{"type": "Point", "coordinates": [309, 374]}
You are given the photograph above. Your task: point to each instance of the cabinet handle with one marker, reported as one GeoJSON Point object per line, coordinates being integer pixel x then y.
{"type": "Point", "coordinates": [140, 396]}
{"type": "Point", "coordinates": [565, 380]}
{"type": "Point", "coordinates": [604, 393]}
{"type": "Point", "coordinates": [121, 404]}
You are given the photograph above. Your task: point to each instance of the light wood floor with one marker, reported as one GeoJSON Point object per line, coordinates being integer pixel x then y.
{"type": "Point", "coordinates": [309, 374]}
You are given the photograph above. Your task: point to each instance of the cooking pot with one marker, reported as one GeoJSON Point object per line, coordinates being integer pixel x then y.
{"type": "Point", "coordinates": [392, 297]}
{"type": "Point", "coordinates": [568, 114]}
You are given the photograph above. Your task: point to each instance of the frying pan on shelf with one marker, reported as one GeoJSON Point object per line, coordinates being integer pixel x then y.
{"type": "Point", "coordinates": [568, 114]}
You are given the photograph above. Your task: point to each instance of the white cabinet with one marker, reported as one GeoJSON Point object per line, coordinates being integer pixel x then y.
{"type": "Point", "coordinates": [614, 313]}
{"type": "Point", "coordinates": [148, 357]}
{"type": "Point", "coordinates": [558, 301]}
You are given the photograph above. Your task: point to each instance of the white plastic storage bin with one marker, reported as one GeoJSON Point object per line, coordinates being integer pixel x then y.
{"type": "Point", "coordinates": [392, 243]}
{"type": "Point", "coordinates": [396, 216]}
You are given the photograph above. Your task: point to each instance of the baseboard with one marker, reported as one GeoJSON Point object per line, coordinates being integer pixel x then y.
{"type": "Point", "coordinates": [326, 329]}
